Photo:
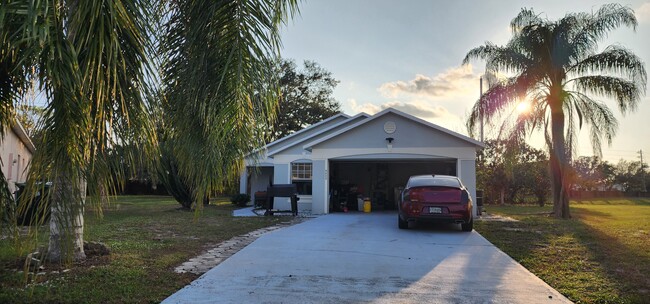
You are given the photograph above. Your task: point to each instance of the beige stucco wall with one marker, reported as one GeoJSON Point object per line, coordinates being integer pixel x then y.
{"type": "Point", "coordinates": [15, 157]}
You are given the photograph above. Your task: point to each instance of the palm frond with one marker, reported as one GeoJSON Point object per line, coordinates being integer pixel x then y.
{"type": "Point", "coordinates": [594, 27]}
{"type": "Point", "coordinates": [498, 58]}
{"type": "Point", "coordinates": [614, 60]}
{"type": "Point", "coordinates": [603, 123]}
{"type": "Point", "coordinates": [117, 70]}
{"type": "Point", "coordinates": [500, 97]}
{"type": "Point", "coordinates": [608, 18]}
{"type": "Point", "coordinates": [224, 51]}
{"type": "Point", "coordinates": [626, 93]}
{"type": "Point", "coordinates": [526, 17]}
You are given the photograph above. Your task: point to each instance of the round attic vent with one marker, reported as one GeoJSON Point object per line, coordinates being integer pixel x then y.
{"type": "Point", "coordinates": [389, 127]}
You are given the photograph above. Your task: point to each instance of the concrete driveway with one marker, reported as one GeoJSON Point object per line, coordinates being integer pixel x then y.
{"type": "Point", "coordinates": [356, 257]}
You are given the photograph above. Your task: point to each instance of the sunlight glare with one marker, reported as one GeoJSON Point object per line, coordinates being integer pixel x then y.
{"type": "Point", "coordinates": [523, 107]}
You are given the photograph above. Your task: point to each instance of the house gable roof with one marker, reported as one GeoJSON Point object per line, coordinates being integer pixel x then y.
{"type": "Point", "coordinates": [305, 130]}
{"type": "Point", "coordinates": [308, 146]}
{"type": "Point", "coordinates": [332, 127]}
{"type": "Point", "coordinates": [18, 129]}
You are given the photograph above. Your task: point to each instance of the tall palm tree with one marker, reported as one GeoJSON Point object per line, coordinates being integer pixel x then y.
{"type": "Point", "coordinates": [96, 63]}
{"type": "Point", "coordinates": [220, 90]}
{"type": "Point", "coordinates": [556, 66]}
{"type": "Point", "coordinates": [92, 61]}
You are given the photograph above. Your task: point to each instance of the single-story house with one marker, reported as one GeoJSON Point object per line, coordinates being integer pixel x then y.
{"type": "Point", "coordinates": [16, 150]}
{"type": "Point", "coordinates": [343, 158]}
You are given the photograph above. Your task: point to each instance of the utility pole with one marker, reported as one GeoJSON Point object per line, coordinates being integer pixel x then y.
{"type": "Point", "coordinates": [642, 171]}
{"type": "Point", "coordinates": [480, 108]}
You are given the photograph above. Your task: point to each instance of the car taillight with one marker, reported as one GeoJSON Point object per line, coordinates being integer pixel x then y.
{"type": "Point", "coordinates": [464, 197]}
{"type": "Point", "coordinates": [413, 195]}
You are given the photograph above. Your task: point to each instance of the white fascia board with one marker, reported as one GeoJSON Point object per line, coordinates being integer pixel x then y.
{"type": "Point", "coordinates": [324, 121]}
{"type": "Point", "coordinates": [460, 153]}
{"type": "Point", "coordinates": [309, 145]}
{"type": "Point", "coordinates": [273, 143]}
{"type": "Point", "coordinates": [287, 159]}
{"type": "Point", "coordinates": [22, 135]}
{"type": "Point", "coordinates": [274, 152]}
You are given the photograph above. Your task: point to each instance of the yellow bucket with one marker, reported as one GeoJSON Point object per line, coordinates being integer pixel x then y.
{"type": "Point", "coordinates": [366, 205]}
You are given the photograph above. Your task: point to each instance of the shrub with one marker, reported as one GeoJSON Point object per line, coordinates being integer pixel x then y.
{"type": "Point", "coordinates": [240, 200]}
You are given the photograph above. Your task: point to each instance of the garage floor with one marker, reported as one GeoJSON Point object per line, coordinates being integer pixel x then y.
{"type": "Point", "coordinates": [356, 257]}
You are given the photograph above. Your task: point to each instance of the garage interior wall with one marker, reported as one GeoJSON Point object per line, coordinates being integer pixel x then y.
{"type": "Point", "coordinates": [375, 179]}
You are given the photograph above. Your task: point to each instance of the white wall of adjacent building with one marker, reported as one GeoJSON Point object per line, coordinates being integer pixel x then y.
{"type": "Point", "coordinates": [16, 157]}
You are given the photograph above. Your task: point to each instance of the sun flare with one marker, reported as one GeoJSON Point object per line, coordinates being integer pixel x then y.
{"type": "Point", "coordinates": [523, 107]}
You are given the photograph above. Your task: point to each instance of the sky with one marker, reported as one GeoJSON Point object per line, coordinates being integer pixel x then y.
{"type": "Point", "coordinates": [408, 55]}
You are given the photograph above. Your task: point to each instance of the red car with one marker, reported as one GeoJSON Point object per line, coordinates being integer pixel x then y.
{"type": "Point", "coordinates": [435, 198]}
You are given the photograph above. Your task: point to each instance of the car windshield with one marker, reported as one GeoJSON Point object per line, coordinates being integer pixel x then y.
{"type": "Point", "coordinates": [434, 181]}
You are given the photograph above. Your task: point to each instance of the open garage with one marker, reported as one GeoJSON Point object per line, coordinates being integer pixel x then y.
{"type": "Point", "coordinates": [337, 163]}
{"type": "Point", "coordinates": [381, 180]}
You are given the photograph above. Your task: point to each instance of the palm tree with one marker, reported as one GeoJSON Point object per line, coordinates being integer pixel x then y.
{"type": "Point", "coordinates": [96, 63]}
{"type": "Point", "coordinates": [556, 66]}
{"type": "Point", "coordinates": [220, 91]}
{"type": "Point", "coordinates": [92, 61]}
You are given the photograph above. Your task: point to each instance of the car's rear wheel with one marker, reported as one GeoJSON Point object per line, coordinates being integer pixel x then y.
{"type": "Point", "coordinates": [468, 226]}
{"type": "Point", "coordinates": [402, 224]}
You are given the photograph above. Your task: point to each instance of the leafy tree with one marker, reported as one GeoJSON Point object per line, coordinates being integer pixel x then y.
{"type": "Point", "coordinates": [29, 116]}
{"type": "Point", "coordinates": [630, 175]}
{"type": "Point", "coordinates": [530, 177]}
{"type": "Point", "coordinates": [306, 97]}
{"type": "Point", "coordinates": [96, 62]}
{"type": "Point", "coordinates": [512, 171]}
{"type": "Point", "coordinates": [556, 66]}
{"type": "Point", "coordinates": [591, 173]}
{"type": "Point", "coordinates": [494, 170]}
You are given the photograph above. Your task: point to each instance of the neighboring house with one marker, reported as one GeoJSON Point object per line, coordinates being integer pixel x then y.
{"type": "Point", "coordinates": [16, 151]}
{"type": "Point", "coordinates": [343, 157]}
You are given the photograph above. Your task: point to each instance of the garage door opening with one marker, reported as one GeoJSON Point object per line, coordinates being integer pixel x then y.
{"type": "Point", "coordinates": [379, 180]}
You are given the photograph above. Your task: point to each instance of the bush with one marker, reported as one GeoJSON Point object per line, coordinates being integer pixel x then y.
{"type": "Point", "coordinates": [240, 200]}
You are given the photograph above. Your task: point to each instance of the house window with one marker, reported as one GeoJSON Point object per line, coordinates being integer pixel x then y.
{"type": "Point", "coordinates": [301, 177]}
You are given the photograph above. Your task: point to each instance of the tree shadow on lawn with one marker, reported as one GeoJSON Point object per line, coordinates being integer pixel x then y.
{"type": "Point", "coordinates": [581, 261]}
{"type": "Point", "coordinates": [627, 262]}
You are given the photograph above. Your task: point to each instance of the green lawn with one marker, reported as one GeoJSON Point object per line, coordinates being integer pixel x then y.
{"type": "Point", "coordinates": [148, 237]}
{"type": "Point", "coordinates": [601, 255]}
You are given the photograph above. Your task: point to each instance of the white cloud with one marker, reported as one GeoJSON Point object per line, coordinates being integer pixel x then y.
{"type": "Point", "coordinates": [419, 109]}
{"type": "Point", "coordinates": [367, 107]}
{"type": "Point", "coordinates": [452, 82]}
{"type": "Point", "coordinates": [643, 13]}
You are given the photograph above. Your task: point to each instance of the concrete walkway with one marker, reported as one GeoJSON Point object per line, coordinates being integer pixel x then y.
{"type": "Point", "coordinates": [355, 257]}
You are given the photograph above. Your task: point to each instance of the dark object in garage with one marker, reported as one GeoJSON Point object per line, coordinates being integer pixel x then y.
{"type": "Point", "coordinates": [260, 199]}
{"type": "Point", "coordinates": [36, 212]}
{"type": "Point", "coordinates": [281, 190]}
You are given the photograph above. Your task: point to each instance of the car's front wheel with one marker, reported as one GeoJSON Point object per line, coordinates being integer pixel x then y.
{"type": "Point", "coordinates": [402, 224]}
{"type": "Point", "coordinates": [468, 226]}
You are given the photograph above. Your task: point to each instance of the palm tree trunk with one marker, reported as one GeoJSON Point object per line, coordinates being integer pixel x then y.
{"type": "Point", "coordinates": [66, 222]}
{"type": "Point", "coordinates": [558, 163]}
{"type": "Point", "coordinates": [68, 199]}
